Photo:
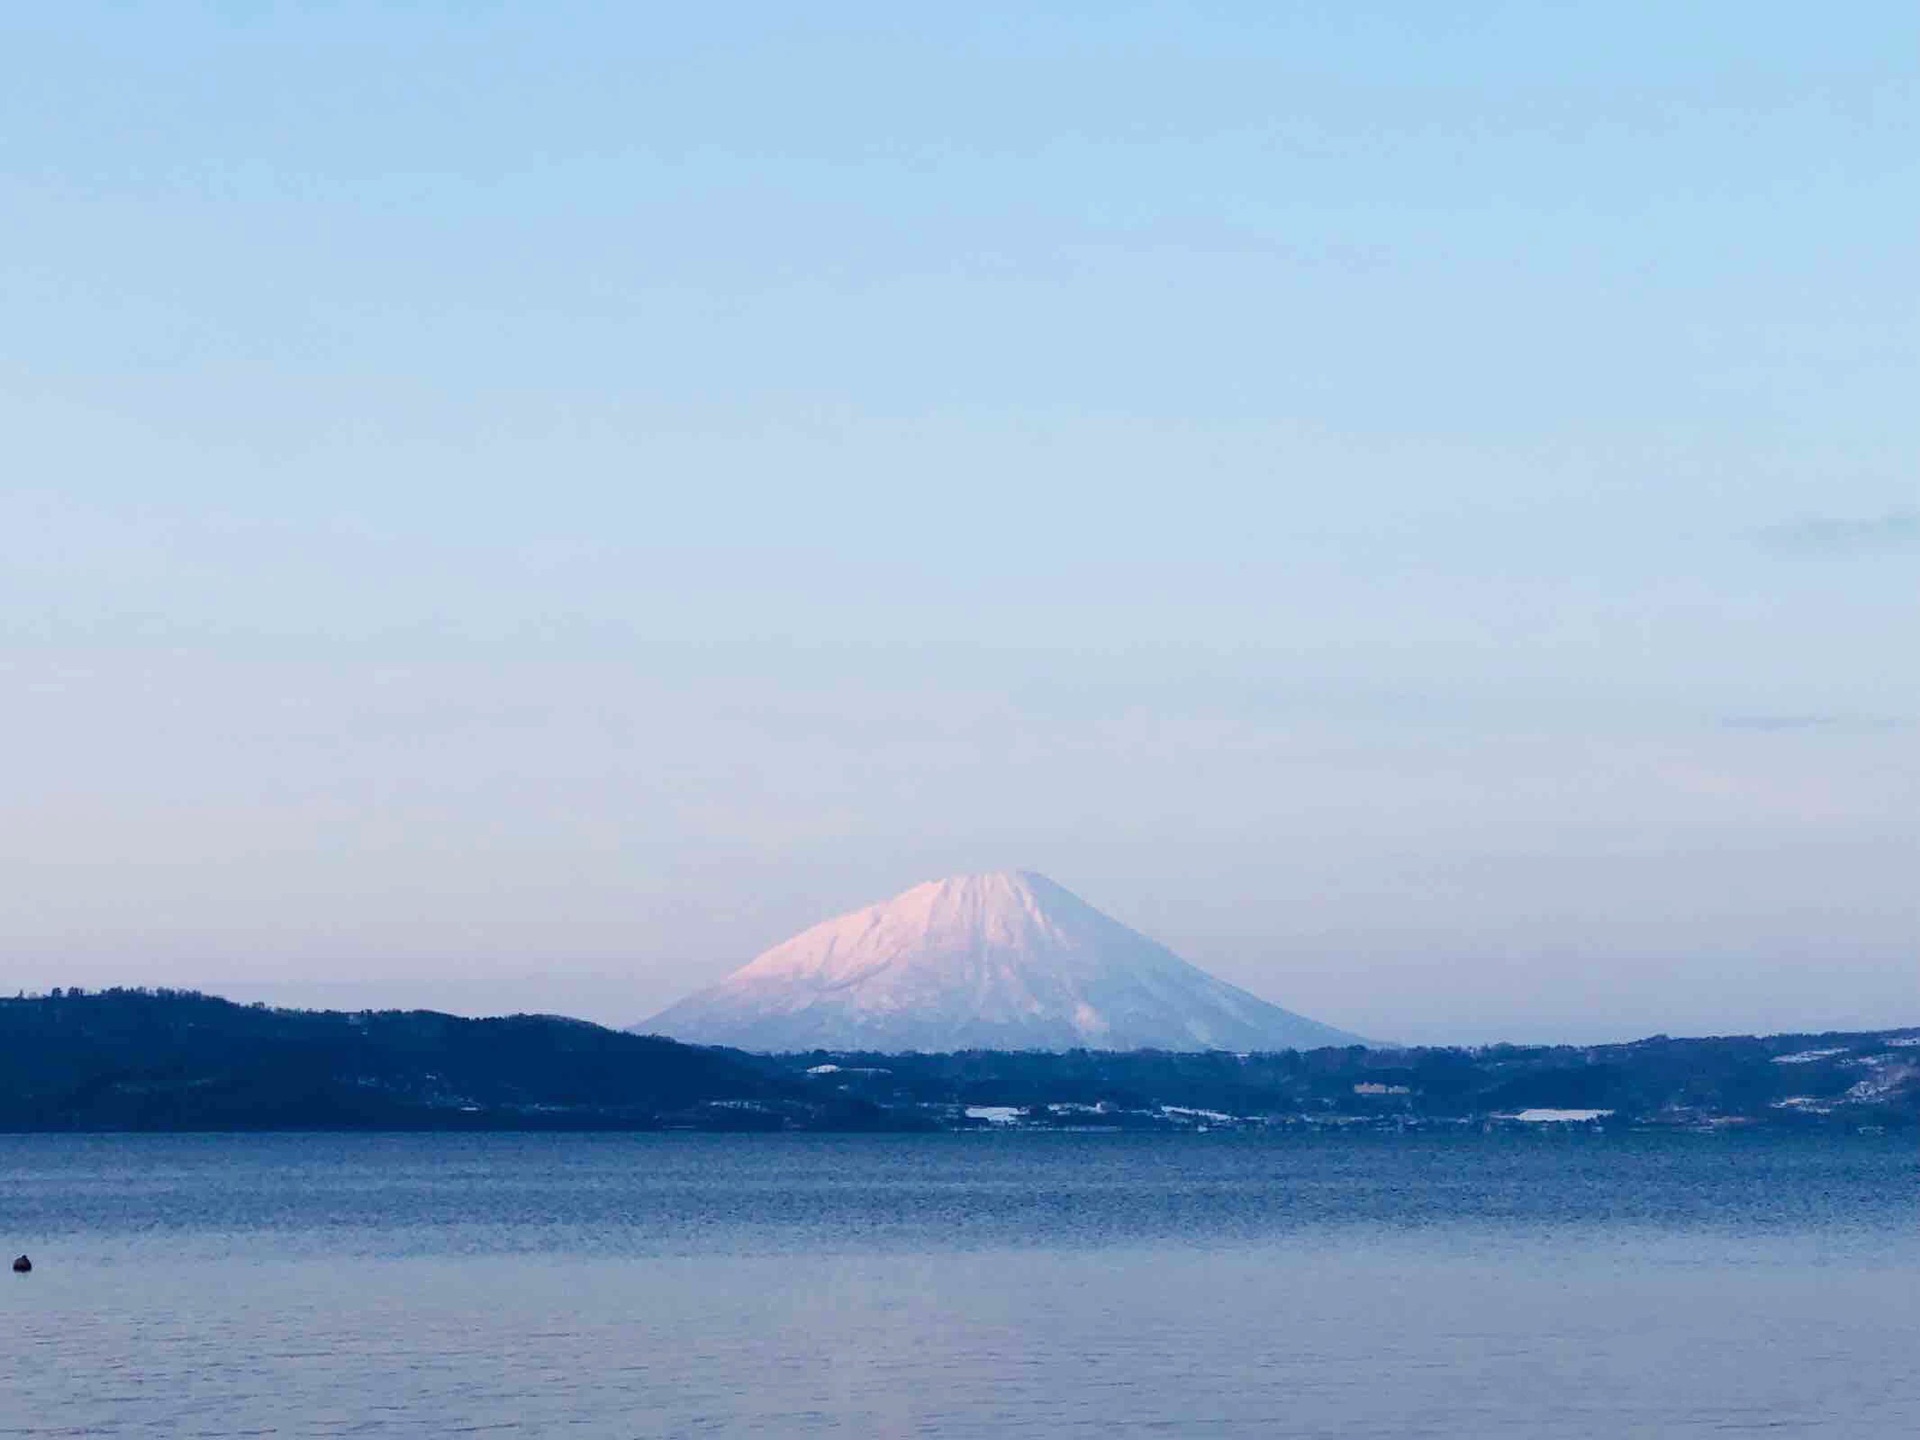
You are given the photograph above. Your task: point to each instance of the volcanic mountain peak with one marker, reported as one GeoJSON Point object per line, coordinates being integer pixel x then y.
{"type": "Point", "coordinates": [1008, 960]}
{"type": "Point", "coordinates": [1007, 916]}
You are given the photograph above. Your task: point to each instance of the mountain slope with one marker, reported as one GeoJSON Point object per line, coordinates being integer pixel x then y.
{"type": "Point", "coordinates": [1005, 961]}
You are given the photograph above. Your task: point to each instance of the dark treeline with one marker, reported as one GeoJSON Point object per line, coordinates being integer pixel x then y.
{"type": "Point", "coordinates": [172, 1060]}
{"type": "Point", "coordinates": [1785, 1080]}
{"type": "Point", "coordinates": [177, 1060]}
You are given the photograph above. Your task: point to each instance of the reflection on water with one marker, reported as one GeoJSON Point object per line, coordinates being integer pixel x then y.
{"type": "Point", "coordinates": [960, 1286]}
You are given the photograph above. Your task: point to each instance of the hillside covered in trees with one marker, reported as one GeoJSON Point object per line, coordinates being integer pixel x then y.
{"type": "Point", "coordinates": [170, 1060]}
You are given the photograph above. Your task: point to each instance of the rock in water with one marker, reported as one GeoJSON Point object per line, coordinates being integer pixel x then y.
{"type": "Point", "coordinates": [1007, 961]}
{"type": "Point", "coordinates": [21, 1265]}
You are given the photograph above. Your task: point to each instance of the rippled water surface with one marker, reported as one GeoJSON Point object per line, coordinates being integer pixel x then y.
{"type": "Point", "coordinates": [961, 1285]}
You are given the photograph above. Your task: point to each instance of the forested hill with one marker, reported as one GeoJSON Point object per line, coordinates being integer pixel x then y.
{"type": "Point", "coordinates": [140, 1060]}
{"type": "Point", "coordinates": [172, 1060]}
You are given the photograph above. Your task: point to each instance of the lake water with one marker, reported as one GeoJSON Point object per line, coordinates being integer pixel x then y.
{"type": "Point", "coordinates": [961, 1285]}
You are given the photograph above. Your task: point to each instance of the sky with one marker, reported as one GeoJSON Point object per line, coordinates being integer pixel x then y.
{"type": "Point", "coordinates": [521, 507]}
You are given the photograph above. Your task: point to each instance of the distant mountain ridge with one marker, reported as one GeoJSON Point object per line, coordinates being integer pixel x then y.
{"type": "Point", "coordinates": [1002, 961]}
{"type": "Point", "coordinates": [177, 1060]}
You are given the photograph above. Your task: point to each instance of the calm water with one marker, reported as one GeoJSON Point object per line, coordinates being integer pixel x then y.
{"type": "Point", "coordinates": [1000, 1285]}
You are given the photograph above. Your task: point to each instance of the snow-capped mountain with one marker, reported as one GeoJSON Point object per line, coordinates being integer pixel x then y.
{"type": "Point", "coordinates": [1008, 961]}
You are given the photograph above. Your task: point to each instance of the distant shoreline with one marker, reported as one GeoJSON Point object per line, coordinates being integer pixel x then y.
{"type": "Point", "coordinates": [133, 1061]}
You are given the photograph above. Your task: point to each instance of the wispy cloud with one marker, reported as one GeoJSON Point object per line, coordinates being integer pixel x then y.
{"type": "Point", "coordinates": [1781, 722]}
{"type": "Point", "coordinates": [1896, 531]}
{"type": "Point", "coordinates": [1787, 722]}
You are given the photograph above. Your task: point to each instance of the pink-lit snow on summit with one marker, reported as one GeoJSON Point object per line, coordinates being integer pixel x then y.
{"type": "Point", "coordinates": [1005, 961]}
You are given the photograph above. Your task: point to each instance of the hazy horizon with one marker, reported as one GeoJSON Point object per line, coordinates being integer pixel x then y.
{"type": "Point", "coordinates": [1415, 510]}
{"type": "Point", "coordinates": [1621, 1007]}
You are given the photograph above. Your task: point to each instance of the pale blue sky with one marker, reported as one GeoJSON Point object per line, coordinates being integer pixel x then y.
{"type": "Point", "coordinates": [515, 506]}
